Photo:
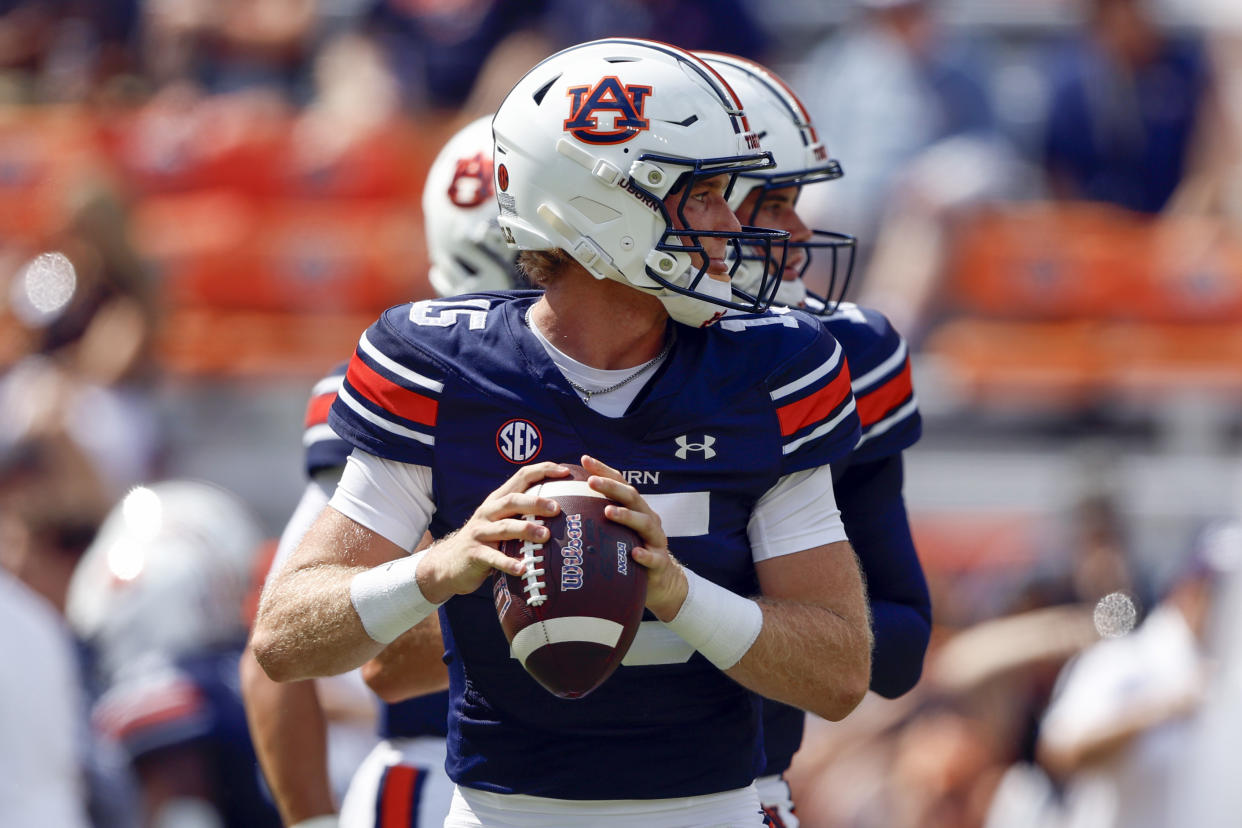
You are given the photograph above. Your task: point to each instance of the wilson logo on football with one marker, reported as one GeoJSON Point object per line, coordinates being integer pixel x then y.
{"type": "Point", "coordinates": [624, 103]}
{"type": "Point", "coordinates": [472, 181]}
{"type": "Point", "coordinates": [519, 441]}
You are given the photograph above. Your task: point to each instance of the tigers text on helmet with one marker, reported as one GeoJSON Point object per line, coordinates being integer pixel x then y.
{"type": "Point", "coordinates": [167, 575]}
{"type": "Point", "coordinates": [593, 139]}
{"type": "Point", "coordinates": [784, 128]}
{"type": "Point", "coordinates": [467, 248]}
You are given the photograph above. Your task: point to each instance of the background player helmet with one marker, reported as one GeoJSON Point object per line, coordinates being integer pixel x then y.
{"type": "Point", "coordinates": [167, 574]}
{"type": "Point", "coordinates": [467, 249]}
{"type": "Point", "coordinates": [785, 129]}
{"type": "Point", "coordinates": [590, 142]}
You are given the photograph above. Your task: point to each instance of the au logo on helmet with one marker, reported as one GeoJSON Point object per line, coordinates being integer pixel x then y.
{"type": "Point", "coordinates": [608, 95]}
{"type": "Point", "coordinates": [472, 181]}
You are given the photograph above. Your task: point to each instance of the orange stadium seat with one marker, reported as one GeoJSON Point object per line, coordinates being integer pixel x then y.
{"type": "Point", "coordinates": [43, 153]}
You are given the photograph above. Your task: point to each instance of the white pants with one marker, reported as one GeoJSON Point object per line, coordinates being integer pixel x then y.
{"type": "Point", "coordinates": [482, 809]}
{"type": "Point", "coordinates": [777, 801]}
{"type": "Point", "coordinates": [401, 781]}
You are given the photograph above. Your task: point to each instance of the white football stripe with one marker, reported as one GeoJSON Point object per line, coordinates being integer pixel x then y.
{"type": "Point", "coordinates": [362, 412]}
{"type": "Point", "coordinates": [655, 643]}
{"type": "Point", "coordinates": [683, 514]}
{"type": "Point", "coordinates": [561, 630]}
{"type": "Point", "coordinates": [802, 382]}
{"type": "Point", "coordinates": [568, 488]}
{"type": "Point", "coordinates": [374, 353]}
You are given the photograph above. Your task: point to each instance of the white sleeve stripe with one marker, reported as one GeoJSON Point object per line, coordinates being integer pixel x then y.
{"type": "Point", "coordinates": [318, 434]}
{"type": "Point", "coordinates": [682, 514]}
{"type": "Point", "coordinates": [802, 382]}
{"type": "Point", "coordinates": [568, 488]}
{"type": "Point", "coordinates": [891, 420]}
{"type": "Point", "coordinates": [362, 412]}
{"type": "Point", "coordinates": [794, 445]}
{"type": "Point", "coordinates": [400, 370]}
{"type": "Point", "coordinates": [873, 376]}
{"type": "Point", "coordinates": [327, 385]}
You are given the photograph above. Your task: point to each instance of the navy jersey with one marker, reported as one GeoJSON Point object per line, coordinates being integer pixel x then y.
{"type": "Point", "coordinates": [421, 716]}
{"type": "Point", "coordinates": [194, 703]}
{"type": "Point", "coordinates": [463, 386]}
{"type": "Point", "coordinates": [868, 489]}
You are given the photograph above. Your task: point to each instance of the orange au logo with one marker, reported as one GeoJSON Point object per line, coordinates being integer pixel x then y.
{"type": "Point", "coordinates": [472, 181]}
{"type": "Point", "coordinates": [623, 102]}
{"type": "Point", "coordinates": [502, 177]}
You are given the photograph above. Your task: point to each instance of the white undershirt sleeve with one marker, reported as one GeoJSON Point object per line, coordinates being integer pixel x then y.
{"type": "Point", "coordinates": [799, 512]}
{"type": "Point", "coordinates": [391, 499]}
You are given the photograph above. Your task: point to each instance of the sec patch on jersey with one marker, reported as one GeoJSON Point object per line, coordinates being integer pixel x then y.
{"type": "Point", "coordinates": [572, 617]}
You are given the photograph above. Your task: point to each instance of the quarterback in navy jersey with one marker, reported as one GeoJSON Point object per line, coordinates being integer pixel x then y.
{"type": "Point", "coordinates": [612, 163]}
{"type": "Point", "coordinates": [868, 483]}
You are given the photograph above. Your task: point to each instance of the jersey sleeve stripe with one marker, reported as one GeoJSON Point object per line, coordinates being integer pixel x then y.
{"type": "Point", "coordinates": [398, 799]}
{"type": "Point", "coordinates": [796, 416]}
{"type": "Point", "coordinates": [412, 377]}
{"type": "Point", "coordinates": [864, 382]}
{"type": "Point", "coordinates": [317, 408]}
{"type": "Point", "coordinates": [889, 422]}
{"type": "Point", "coordinates": [873, 406]}
{"type": "Point", "coordinates": [383, 392]}
{"type": "Point", "coordinates": [826, 428]}
{"type": "Point", "coordinates": [328, 385]}
{"type": "Point", "coordinates": [318, 434]}
{"type": "Point", "coordinates": [826, 369]}
{"type": "Point", "coordinates": [362, 411]}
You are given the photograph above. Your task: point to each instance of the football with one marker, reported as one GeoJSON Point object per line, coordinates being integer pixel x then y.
{"type": "Point", "coordinates": [571, 618]}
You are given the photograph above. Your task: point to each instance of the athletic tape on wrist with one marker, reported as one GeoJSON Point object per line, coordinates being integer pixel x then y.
{"type": "Point", "coordinates": [388, 600]}
{"type": "Point", "coordinates": [720, 624]}
{"type": "Point", "coordinates": [324, 821]}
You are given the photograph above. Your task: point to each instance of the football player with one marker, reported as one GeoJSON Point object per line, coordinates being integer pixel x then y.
{"type": "Point", "coordinates": [868, 483]}
{"type": "Point", "coordinates": [612, 161]}
{"type": "Point", "coordinates": [159, 598]}
{"type": "Point", "coordinates": [404, 773]}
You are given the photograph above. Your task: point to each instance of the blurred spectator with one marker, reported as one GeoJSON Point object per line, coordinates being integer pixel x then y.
{"type": "Point", "coordinates": [159, 599]}
{"type": "Point", "coordinates": [1126, 104]}
{"type": "Point", "coordinates": [902, 103]}
{"type": "Point", "coordinates": [1120, 722]}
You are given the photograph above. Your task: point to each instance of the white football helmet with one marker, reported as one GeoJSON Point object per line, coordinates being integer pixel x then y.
{"type": "Point", "coordinates": [468, 252]}
{"type": "Point", "coordinates": [591, 141]}
{"type": "Point", "coordinates": [167, 574]}
{"type": "Point", "coordinates": [784, 128]}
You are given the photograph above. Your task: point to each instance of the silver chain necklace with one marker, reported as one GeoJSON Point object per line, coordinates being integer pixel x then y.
{"type": "Point", "coordinates": [588, 393]}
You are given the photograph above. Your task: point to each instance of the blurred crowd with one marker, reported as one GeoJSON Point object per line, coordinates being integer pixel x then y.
{"type": "Point", "coordinates": [194, 190]}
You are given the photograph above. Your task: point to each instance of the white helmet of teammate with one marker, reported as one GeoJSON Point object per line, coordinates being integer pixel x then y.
{"type": "Point", "coordinates": [590, 142]}
{"type": "Point", "coordinates": [467, 249]}
{"type": "Point", "coordinates": [785, 129]}
{"type": "Point", "coordinates": [167, 574]}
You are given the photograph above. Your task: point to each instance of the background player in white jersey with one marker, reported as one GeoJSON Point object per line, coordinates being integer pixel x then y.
{"type": "Point", "coordinates": [612, 162]}
{"type": "Point", "coordinates": [159, 598]}
{"type": "Point", "coordinates": [405, 770]}
{"type": "Point", "coordinates": [869, 481]}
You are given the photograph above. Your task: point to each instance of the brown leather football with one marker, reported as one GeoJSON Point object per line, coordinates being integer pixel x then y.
{"type": "Point", "coordinates": [571, 619]}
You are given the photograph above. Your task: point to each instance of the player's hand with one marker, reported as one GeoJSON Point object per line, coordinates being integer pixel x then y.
{"type": "Point", "coordinates": [666, 582]}
{"type": "Point", "coordinates": [460, 562]}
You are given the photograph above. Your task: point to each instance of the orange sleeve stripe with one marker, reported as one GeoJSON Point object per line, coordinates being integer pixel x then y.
{"type": "Point", "coordinates": [390, 396]}
{"type": "Point", "coordinates": [179, 710]}
{"type": "Point", "coordinates": [317, 409]}
{"type": "Point", "coordinates": [818, 406]}
{"type": "Point", "coordinates": [873, 405]}
{"type": "Point", "coordinates": [396, 806]}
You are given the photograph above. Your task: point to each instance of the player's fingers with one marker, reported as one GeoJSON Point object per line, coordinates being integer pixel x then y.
{"type": "Point", "coordinates": [495, 559]}
{"type": "Point", "coordinates": [518, 503]}
{"type": "Point", "coordinates": [498, 531]}
{"type": "Point", "coordinates": [617, 490]}
{"type": "Point", "coordinates": [647, 524]}
{"type": "Point", "coordinates": [528, 476]}
{"type": "Point", "coordinates": [595, 466]}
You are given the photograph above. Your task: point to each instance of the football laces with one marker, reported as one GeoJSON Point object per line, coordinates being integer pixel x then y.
{"type": "Point", "coordinates": [533, 575]}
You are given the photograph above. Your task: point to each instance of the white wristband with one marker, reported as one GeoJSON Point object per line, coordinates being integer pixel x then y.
{"type": "Point", "coordinates": [324, 821]}
{"type": "Point", "coordinates": [388, 600]}
{"type": "Point", "coordinates": [720, 624]}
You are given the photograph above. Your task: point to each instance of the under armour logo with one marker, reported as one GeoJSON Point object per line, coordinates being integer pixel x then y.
{"type": "Point", "coordinates": [687, 447]}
